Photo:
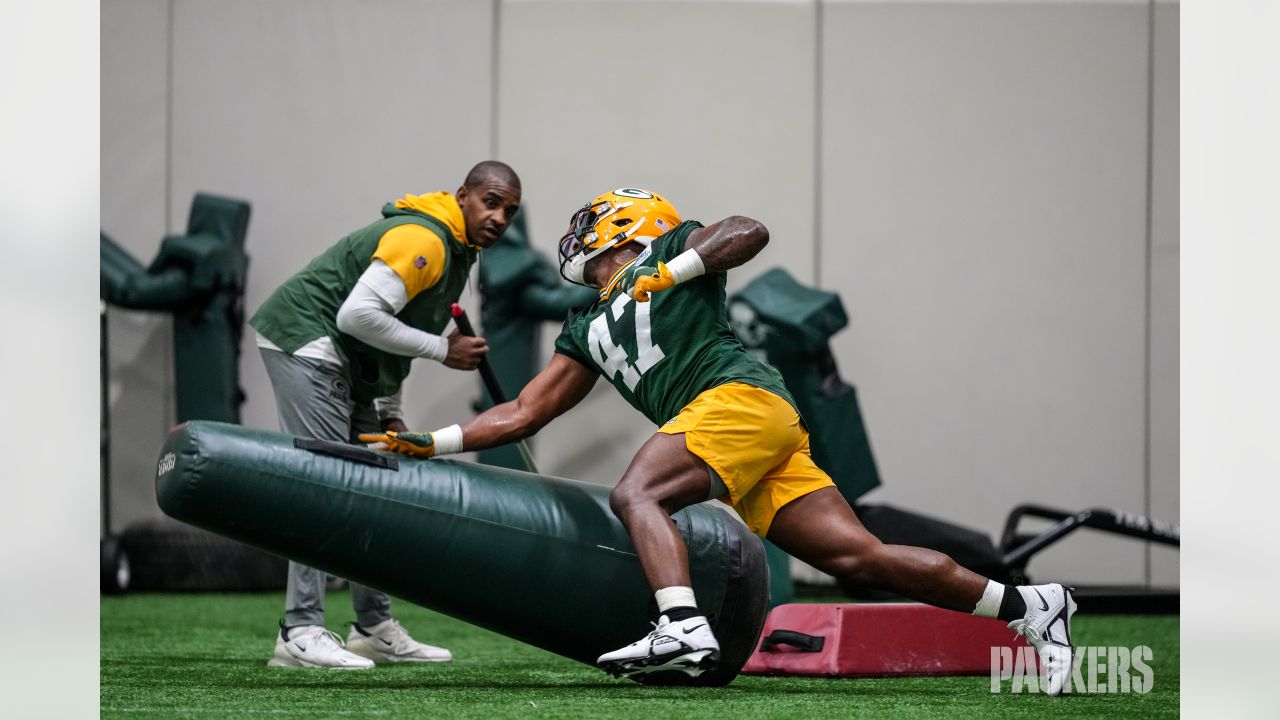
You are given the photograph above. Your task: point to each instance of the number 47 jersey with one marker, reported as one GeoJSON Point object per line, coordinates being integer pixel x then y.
{"type": "Point", "coordinates": [662, 354]}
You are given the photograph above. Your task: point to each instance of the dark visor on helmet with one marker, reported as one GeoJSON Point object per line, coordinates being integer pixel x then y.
{"type": "Point", "coordinates": [570, 245]}
{"type": "Point", "coordinates": [582, 223]}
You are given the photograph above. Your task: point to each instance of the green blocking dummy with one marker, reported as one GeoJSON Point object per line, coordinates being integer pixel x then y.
{"type": "Point", "coordinates": [539, 559]}
{"type": "Point", "coordinates": [199, 277]}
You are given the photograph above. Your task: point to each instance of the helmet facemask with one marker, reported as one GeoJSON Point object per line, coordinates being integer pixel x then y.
{"type": "Point", "coordinates": [582, 242]}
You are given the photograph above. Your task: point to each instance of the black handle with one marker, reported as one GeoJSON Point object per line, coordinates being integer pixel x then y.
{"type": "Point", "coordinates": [491, 382]}
{"type": "Point", "coordinates": [347, 452]}
{"type": "Point", "coordinates": [806, 643]}
{"type": "Point", "coordinates": [486, 370]}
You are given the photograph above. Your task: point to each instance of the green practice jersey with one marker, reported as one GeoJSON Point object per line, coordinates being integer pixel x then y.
{"type": "Point", "coordinates": [662, 354]}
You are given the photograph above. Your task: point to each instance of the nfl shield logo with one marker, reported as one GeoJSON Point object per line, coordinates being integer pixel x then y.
{"type": "Point", "coordinates": [419, 262]}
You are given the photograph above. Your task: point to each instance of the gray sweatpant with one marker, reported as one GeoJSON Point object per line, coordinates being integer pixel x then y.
{"type": "Point", "coordinates": [313, 400]}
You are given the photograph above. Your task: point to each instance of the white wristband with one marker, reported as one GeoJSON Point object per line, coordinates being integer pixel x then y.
{"type": "Point", "coordinates": [448, 440]}
{"type": "Point", "coordinates": [686, 266]}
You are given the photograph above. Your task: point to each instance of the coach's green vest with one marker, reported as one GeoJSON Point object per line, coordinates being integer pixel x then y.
{"type": "Point", "coordinates": [306, 306]}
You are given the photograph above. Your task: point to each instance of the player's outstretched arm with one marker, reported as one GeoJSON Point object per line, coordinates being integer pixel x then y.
{"type": "Point", "coordinates": [714, 248]}
{"type": "Point", "coordinates": [551, 393]}
{"type": "Point", "coordinates": [561, 385]}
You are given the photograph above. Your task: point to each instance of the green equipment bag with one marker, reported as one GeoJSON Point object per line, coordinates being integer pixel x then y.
{"type": "Point", "coordinates": [539, 559]}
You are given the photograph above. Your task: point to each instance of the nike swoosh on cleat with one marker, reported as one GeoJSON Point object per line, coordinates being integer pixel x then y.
{"type": "Point", "coordinates": [385, 642]}
{"type": "Point", "coordinates": [695, 627]}
{"type": "Point", "coordinates": [1042, 600]}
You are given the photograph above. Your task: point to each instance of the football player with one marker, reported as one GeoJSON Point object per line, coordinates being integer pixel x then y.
{"type": "Point", "coordinates": [727, 428]}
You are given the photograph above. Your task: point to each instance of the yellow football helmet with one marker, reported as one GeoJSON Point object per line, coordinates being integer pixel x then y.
{"type": "Point", "coordinates": [613, 219]}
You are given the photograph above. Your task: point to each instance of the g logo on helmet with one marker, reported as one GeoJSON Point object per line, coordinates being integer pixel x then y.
{"type": "Point", "coordinates": [636, 193]}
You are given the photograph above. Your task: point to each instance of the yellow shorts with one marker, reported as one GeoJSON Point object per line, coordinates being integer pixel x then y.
{"type": "Point", "coordinates": [754, 441]}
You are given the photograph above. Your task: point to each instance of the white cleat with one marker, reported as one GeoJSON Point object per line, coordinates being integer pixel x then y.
{"type": "Point", "coordinates": [686, 646]}
{"type": "Point", "coordinates": [389, 642]}
{"type": "Point", "coordinates": [312, 646]}
{"type": "Point", "coordinates": [1047, 626]}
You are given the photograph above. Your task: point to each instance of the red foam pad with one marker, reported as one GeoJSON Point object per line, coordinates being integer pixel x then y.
{"type": "Point", "coordinates": [877, 640]}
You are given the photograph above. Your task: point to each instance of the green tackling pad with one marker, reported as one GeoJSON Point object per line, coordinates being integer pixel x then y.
{"type": "Point", "coordinates": [539, 559]}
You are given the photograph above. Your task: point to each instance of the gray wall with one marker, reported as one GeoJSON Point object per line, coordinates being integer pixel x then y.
{"type": "Point", "coordinates": [135, 204]}
{"type": "Point", "coordinates": [720, 125]}
{"type": "Point", "coordinates": [992, 187]}
{"type": "Point", "coordinates": [984, 217]}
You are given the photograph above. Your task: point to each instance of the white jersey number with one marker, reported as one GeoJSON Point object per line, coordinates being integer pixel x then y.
{"type": "Point", "coordinates": [611, 358]}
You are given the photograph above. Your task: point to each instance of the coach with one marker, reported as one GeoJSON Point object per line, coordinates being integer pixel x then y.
{"type": "Point", "coordinates": [338, 339]}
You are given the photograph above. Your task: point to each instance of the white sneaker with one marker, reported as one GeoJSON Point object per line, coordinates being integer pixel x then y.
{"type": "Point", "coordinates": [388, 642]}
{"type": "Point", "coordinates": [1047, 626]}
{"type": "Point", "coordinates": [687, 646]}
{"type": "Point", "coordinates": [312, 646]}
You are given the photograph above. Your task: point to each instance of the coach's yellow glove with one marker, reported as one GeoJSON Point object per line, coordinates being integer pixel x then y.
{"type": "Point", "coordinates": [685, 266]}
{"type": "Point", "coordinates": [415, 444]}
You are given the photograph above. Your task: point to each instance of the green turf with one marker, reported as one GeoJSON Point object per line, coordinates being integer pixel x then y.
{"type": "Point", "coordinates": [205, 656]}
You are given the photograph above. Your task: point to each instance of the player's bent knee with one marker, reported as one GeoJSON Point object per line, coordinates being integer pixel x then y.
{"type": "Point", "coordinates": [625, 498]}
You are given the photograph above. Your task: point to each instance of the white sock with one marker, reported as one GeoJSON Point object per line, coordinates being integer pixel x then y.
{"type": "Point", "coordinates": [989, 604]}
{"type": "Point", "coordinates": [674, 597]}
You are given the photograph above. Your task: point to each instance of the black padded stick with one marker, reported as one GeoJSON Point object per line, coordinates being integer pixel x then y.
{"type": "Point", "coordinates": [490, 380]}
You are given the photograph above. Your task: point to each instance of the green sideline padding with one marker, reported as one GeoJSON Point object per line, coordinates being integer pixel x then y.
{"type": "Point", "coordinates": [538, 559]}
